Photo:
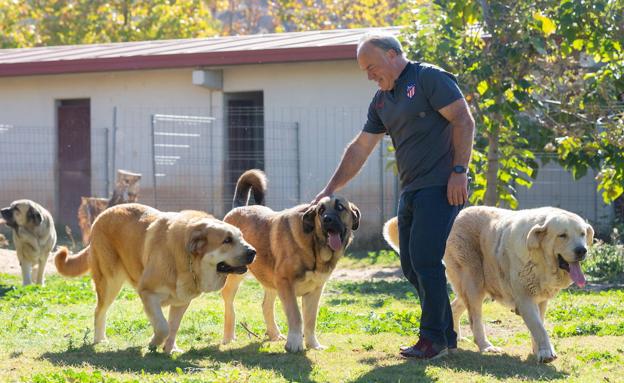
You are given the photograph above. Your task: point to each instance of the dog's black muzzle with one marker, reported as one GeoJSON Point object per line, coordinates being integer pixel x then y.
{"type": "Point", "coordinates": [7, 214]}
{"type": "Point", "coordinates": [332, 223]}
{"type": "Point", "coordinates": [581, 253]}
{"type": "Point", "coordinates": [223, 267]}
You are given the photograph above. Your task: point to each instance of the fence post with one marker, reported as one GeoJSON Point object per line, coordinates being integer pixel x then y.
{"type": "Point", "coordinates": [381, 183]}
{"type": "Point", "coordinates": [297, 146]}
{"type": "Point", "coordinates": [107, 170]}
{"type": "Point", "coordinates": [113, 151]}
{"type": "Point", "coordinates": [153, 126]}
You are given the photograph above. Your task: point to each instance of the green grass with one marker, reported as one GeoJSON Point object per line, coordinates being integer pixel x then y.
{"type": "Point", "coordinates": [382, 258]}
{"type": "Point", "coordinates": [47, 333]}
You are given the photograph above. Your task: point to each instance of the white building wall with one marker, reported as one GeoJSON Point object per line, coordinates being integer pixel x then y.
{"type": "Point", "coordinates": [326, 100]}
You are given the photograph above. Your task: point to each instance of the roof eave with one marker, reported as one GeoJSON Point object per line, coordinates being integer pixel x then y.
{"type": "Point", "coordinates": [108, 64]}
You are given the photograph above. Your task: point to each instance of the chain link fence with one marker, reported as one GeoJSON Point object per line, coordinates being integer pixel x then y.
{"type": "Point", "coordinates": [190, 159]}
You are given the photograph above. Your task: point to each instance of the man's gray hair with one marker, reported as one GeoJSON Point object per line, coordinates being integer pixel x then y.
{"type": "Point", "coordinates": [383, 41]}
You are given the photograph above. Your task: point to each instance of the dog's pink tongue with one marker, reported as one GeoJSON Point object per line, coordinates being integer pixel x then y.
{"type": "Point", "coordinates": [334, 241]}
{"type": "Point", "coordinates": [576, 274]}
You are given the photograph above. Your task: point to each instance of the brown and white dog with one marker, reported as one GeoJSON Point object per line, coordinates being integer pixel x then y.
{"type": "Point", "coordinates": [34, 237]}
{"type": "Point", "coordinates": [169, 258]}
{"type": "Point", "coordinates": [297, 249]}
{"type": "Point", "coordinates": [520, 258]}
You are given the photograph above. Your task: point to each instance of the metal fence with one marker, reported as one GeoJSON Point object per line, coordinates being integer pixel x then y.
{"type": "Point", "coordinates": [190, 159]}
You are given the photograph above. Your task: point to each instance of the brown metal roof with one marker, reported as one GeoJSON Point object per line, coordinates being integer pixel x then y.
{"type": "Point", "coordinates": [217, 51]}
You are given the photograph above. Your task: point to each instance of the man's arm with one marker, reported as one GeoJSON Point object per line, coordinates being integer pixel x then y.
{"type": "Point", "coordinates": [352, 161]}
{"type": "Point", "coordinates": [463, 126]}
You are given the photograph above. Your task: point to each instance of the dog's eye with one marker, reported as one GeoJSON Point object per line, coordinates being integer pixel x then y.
{"type": "Point", "coordinates": [339, 207]}
{"type": "Point", "coordinates": [322, 209]}
{"type": "Point", "coordinates": [227, 240]}
{"type": "Point", "coordinates": [564, 235]}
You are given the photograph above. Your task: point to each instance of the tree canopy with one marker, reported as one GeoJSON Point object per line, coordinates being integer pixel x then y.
{"type": "Point", "coordinates": [540, 76]}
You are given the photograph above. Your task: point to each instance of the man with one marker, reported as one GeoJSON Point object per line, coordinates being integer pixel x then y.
{"type": "Point", "coordinates": [423, 110]}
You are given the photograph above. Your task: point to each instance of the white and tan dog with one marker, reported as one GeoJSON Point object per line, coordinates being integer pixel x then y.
{"type": "Point", "coordinates": [34, 237]}
{"type": "Point", "coordinates": [169, 258]}
{"type": "Point", "coordinates": [519, 258]}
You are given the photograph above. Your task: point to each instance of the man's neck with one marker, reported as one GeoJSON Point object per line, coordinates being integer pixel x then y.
{"type": "Point", "coordinates": [400, 67]}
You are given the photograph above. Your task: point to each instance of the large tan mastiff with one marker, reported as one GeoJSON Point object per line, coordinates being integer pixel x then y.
{"type": "Point", "coordinates": [297, 249]}
{"type": "Point", "coordinates": [169, 258]}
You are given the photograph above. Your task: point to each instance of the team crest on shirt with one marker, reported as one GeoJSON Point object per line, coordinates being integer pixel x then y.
{"type": "Point", "coordinates": [411, 90]}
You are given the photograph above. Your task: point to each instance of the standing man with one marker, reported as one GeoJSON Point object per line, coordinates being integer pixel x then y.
{"type": "Point", "coordinates": [423, 110]}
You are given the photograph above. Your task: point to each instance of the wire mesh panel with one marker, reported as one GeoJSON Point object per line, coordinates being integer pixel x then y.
{"type": "Point", "coordinates": [282, 165]}
{"type": "Point", "coordinates": [183, 162]}
{"type": "Point", "coordinates": [27, 169]}
{"type": "Point", "coordinates": [555, 186]}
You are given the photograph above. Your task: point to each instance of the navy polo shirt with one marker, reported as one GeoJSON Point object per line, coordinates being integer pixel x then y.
{"type": "Point", "coordinates": [420, 134]}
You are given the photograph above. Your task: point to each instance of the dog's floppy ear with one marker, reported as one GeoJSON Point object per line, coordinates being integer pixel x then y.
{"type": "Point", "coordinates": [589, 235]}
{"type": "Point", "coordinates": [34, 215]}
{"type": "Point", "coordinates": [355, 213]}
{"type": "Point", "coordinates": [197, 242]}
{"type": "Point", "coordinates": [535, 236]}
{"type": "Point", "coordinates": [308, 219]}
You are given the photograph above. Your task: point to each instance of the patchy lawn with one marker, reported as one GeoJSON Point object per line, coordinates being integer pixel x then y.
{"type": "Point", "coordinates": [47, 333]}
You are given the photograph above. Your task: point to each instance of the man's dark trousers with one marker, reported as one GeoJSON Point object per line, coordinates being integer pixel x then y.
{"type": "Point", "coordinates": [425, 221]}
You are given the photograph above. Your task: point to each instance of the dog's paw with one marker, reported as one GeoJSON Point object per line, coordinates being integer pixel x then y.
{"type": "Point", "coordinates": [294, 343]}
{"type": "Point", "coordinates": [172, 349]}
{"type": "Point", "coordinates": [228, 339]}
{"type": "Point", "coordinates": [492, 349]}
{"type": "Point", "coordinates": [313, 343]}
{"type": "Point", "coordinates": [155, 342]}
{"type": "Point", "coordinates": [276, 337]}
{"type": "Point", "coordinates": [316, 346]}
{"type": "Point", "coordinates": [546, 356]}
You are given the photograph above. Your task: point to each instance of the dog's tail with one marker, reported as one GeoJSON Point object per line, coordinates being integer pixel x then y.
{"type": "Point", "coordinates": [73, 266]}
{"type": "Point", "coordinates": [391, 233]}
{"type": "Point", "coordinates": [252, 181]}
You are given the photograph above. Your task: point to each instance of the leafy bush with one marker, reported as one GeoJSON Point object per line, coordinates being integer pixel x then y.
{"type": "Point", "coordinates": [605, 263]}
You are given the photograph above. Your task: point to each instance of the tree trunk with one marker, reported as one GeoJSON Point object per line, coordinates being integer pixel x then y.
{"type": "Point", "coordinates": [491, 194]}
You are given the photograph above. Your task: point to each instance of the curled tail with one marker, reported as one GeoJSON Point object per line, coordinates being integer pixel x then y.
{"type": "Point", "coordinates": [73, 266]}
{"type": "Point", "coordinates": [391, 233]}
{"type": "Point", "coordinates": [252, 181]}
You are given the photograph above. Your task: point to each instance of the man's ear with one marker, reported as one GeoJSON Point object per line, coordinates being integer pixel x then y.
{"type": "Point", "coordinates": [356, 215]}
{"type": "Point", "coordinates": [535, 236]}
{"type": "Point", "coordinates": [198, 242]}
{"type": "Point", "coordinates": [308, 219]}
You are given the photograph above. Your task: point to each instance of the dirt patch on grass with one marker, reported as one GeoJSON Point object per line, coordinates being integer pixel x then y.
{"type": "Point", "coordinates": [368, 273]}
{"type": "Point", "coordinates": [9, 264]}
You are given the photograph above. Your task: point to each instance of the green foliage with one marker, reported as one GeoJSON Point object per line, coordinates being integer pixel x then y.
{"type": "Point", "coordinates": [382, 257]}
{"type": "Point", "coordinates": [536, 75]}
{"type": "Point", "coordinates": [310, 15]}
{"type": "Point", "coordinates": [61, 22]}
{"type": "Point", "coordinates": [605, 263]}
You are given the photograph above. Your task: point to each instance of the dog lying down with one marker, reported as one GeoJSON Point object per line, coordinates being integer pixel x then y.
{"type": "Point", "coordinates": [519, 258]}
{"type": "Point", "coordinates": [169, 258]}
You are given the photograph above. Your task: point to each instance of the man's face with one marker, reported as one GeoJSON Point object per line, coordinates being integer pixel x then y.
{"type": "Point", "coordinates": [379, 65]}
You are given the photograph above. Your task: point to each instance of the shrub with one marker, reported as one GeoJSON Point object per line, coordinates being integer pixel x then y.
{"type": "Point", "coordinates": [605, 263]}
